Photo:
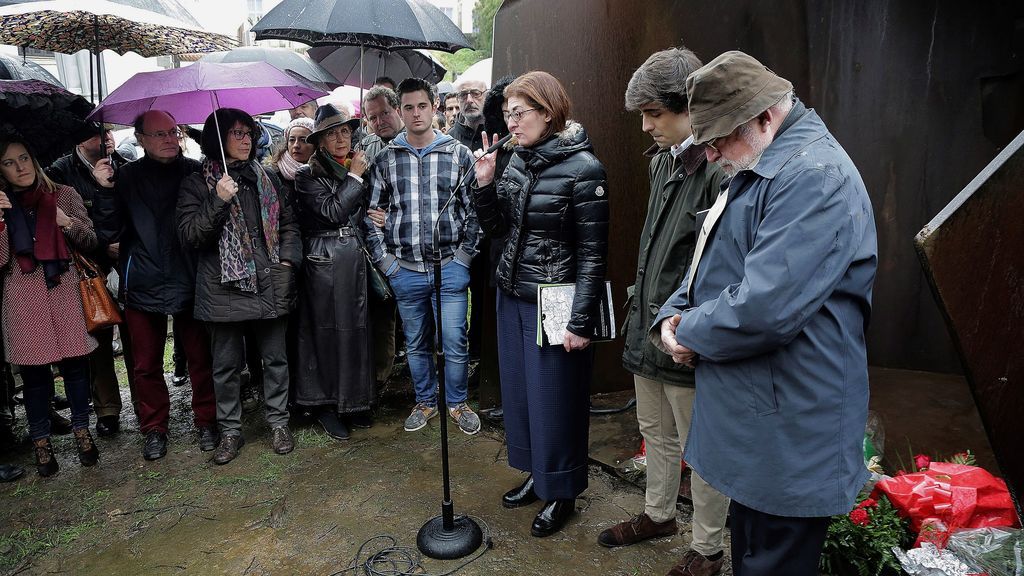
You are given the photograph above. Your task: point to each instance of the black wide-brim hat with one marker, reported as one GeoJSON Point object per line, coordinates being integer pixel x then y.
{"type": "Point", "coordinates": [327, 117]}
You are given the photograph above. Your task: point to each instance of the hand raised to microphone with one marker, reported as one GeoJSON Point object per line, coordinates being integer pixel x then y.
{"type": "Point", "coordinates": [485, 162]}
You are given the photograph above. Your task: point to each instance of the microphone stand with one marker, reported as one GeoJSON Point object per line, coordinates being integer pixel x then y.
{"type": "Point", "coordinates": [446, 537]}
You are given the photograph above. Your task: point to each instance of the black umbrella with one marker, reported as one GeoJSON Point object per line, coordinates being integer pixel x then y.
{"type": "Point", "coordinates": [280, 58]}
{"type": "Point", "coordinates": [49, 117]}
{"type": "Point", "coordinates": [344, 63]}
{"type": "Point", "coordinates": [384, 24]}
{"type": "Point", "coordinates": [13, 68]}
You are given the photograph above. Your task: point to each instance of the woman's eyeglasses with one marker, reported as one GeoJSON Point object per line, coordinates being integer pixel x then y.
{"type": "Point", "coordinates": [338, 133]}
{"type": "Point", "coordinates": [517, 115]}
{"type": "Point", "coordinates": [238, 134]}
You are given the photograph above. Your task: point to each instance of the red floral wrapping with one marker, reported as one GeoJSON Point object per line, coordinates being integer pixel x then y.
{"type": "Point", "coordinates": [949, 496]}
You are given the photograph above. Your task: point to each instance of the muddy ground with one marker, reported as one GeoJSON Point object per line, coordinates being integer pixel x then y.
{"type": "Point", "coordinates": [308, 512]}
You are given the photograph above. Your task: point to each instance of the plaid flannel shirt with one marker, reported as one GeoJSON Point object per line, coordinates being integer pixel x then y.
{"type": "Point", "coordinates": [410, 187]}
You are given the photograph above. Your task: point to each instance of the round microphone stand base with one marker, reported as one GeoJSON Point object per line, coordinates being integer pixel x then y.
{"type": "Point", "coordinates": [440, 543]}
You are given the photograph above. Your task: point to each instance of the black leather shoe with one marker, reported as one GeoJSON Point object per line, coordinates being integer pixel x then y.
{"type": "Point", "coordinates": [333, 425]}
{"type": "Point", "coordinates": [493, 414]}
{"type": "Point", "coordinates": [552, 517]}
{"type": "Point", "coordinates": [10, 472]}
{"type": "Point", "coordinates": [522, 495]}
{"type": "Point", "coordinates": [208, 439]}
{"type": "Point", "coordinates": [107, 426]}
{"type": "Point", "coordinates": [180, 380]}
{"type": "Point", "coordinates": [155, 447]}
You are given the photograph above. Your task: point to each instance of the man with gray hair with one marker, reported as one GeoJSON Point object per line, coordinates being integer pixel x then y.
{"type": "Point", "coordinates": [683, 184]}
{"type": "Point", "coordinates": [470, 125]}
{"type": "Point", "coordinates": [772, 314]}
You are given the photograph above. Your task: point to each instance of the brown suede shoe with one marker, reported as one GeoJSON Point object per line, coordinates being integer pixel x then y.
{"type": "Point", "coordinates": [636, 529]}
{"type": "Point", "coordinates": [694, 564]}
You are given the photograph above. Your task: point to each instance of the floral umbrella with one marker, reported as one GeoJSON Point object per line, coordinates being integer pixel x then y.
{"type": "Point", "coordinates": [95, 25]}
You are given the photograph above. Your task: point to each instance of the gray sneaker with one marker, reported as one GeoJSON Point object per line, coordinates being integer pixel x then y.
{"type": "Point", "coordinates": [419, 416]}
{"type": "Point", "coordinates": [464, 416]}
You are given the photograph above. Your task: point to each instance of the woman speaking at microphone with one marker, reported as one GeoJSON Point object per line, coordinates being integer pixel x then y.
{"type": "Point", "coordinates": [551, 209]}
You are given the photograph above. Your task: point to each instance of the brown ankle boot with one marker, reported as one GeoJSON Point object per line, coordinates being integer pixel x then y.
{"type": "Point", "coordinates": [88, 453]}
{"type": "Point", "coordinates": [46, 463]}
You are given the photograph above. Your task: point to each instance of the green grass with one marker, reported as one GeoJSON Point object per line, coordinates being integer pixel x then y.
{"type": "Point", "coordinates": [27, 542]}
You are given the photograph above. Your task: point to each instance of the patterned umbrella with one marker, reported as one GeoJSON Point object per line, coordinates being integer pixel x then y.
{"type": "Point", "coordinates": [49, 117]}
{"type": "Point", "coordinates": [96, 25]}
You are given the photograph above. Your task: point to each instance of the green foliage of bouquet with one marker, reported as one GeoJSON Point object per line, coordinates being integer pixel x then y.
{"type": "Point", "coordinates": [860, 543]}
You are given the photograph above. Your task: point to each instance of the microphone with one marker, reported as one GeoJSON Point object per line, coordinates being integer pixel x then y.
{"type": "Point", "coordinates": [494, 147]}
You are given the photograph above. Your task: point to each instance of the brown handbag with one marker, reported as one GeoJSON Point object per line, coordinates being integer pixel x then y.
{"type": "Point", "coordinates": [97, 304]}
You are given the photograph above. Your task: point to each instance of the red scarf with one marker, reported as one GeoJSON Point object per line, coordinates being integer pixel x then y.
{"type": "Point", "coordinates": [49, 244]}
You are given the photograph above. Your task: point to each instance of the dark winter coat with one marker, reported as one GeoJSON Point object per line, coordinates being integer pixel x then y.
{"type": "Point", "coordinates": [551, 206]}
{"type": "Point", "coordinates": [70, 170]}
{"type": "Point", "coordinates": [335, 342]}
{"type": "Point", "coordinates": [680, 188]}
{"type": "Point", "coordinates": [157, 274]}
{"type": "Point", "coordinates": [201, 216]}
{"type": "Point", "coordinates": [468, 136]}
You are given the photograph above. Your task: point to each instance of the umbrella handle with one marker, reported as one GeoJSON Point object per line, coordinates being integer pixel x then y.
{"type": "Point", "coordinates": [216, 123]}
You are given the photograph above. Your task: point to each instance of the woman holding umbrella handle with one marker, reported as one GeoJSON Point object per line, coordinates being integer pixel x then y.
{"type": "Point", "coordinates": [240, 223]}
{"type": "Point", "coordinates": [42, 309]}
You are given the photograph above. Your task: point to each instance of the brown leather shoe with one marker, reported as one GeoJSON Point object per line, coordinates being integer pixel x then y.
{"type": "Point", "coordinates": [282, 440]}
{"type": "Point", "coordinates": [636, 529]}
{"type": "Point", "coordinates": [228, 448]}
{"type": "Point", "coordinates": [694, 564]}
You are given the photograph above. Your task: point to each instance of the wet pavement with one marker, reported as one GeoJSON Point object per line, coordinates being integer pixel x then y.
{"type": "Point", "coordinates": [308, 512]}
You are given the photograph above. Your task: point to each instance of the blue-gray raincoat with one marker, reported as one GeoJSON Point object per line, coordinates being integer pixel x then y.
{"type": "Point", "coordinates": [778, 311]}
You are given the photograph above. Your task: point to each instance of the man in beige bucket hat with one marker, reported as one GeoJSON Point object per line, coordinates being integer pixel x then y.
{"type": "Point", "coordinates": [772, 314]}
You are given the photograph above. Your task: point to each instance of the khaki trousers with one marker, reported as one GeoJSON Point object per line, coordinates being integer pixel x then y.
{"type": "Point", "coordinates": [663, 412]}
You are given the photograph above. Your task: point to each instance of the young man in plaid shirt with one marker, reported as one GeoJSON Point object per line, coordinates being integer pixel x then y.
{"type": "Point", "coordinates": [410, 181]}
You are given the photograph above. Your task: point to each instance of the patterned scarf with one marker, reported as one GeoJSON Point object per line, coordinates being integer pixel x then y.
{"type": "Point", "coordinates": [237, 266]}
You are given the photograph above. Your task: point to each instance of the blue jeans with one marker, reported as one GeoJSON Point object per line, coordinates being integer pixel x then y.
{"type": "Point", "coordinates": [414, 295]}
{"type": "Point", "coordinates": [38, 382]}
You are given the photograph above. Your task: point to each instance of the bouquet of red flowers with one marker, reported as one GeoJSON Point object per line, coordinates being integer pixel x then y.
{"type": "Point", "coordinates": [860, 542]}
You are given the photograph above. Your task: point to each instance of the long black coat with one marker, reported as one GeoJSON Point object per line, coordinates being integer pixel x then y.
{"type": "Point", "coordinates": [551, 206]}
{"type": "Point", "coordinates": [334, 338]}
{"type": "Point", "coordinates": [201, 218]}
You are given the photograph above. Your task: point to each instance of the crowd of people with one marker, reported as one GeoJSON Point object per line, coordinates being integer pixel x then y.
{"type": "Point", "coordinates": [744, 328]}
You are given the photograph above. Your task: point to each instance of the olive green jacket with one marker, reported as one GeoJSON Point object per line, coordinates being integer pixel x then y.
{"type": "Point", "coordinates": [680, 188]}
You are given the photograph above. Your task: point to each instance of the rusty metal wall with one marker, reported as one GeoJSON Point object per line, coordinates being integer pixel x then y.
{"type": "Point", "coordinates": [973, 254]}
{"type": "Point", "coordinates": [921, 94]}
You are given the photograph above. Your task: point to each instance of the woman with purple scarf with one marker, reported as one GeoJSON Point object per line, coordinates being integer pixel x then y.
{"type": "Point", "coordinates": [43, 322]}
{"type": "Point", "coordinates": [246, 238]}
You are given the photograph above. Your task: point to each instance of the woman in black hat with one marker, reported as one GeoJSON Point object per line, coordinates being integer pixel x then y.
{"type": "Point", "coordinates": [335, 342]}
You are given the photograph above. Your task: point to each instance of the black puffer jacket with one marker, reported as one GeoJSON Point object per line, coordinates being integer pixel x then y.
{"type": "Point", "coordinates": [551, 205]}
{"type": "Point", "coordinates": [201, 216]}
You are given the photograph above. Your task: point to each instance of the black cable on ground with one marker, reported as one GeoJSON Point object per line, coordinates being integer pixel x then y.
{"type": "Point", "coordinates": [394, 560]}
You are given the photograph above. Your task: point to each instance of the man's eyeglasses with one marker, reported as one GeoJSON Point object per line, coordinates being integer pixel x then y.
{"type": "Point", "coordinates": [517, 115]}
{"type": "Point", "coordinates": [463, 94]}
{"type": "Point", "coordinates": [163, 134]}
{"type": "Point", "coordinates": [238, 134]}
{"type": "Point", "coordinates": [338, 133]}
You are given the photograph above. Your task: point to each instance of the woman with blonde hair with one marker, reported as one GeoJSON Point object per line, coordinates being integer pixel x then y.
{"type": "Point", "coordinates": [42, 309]}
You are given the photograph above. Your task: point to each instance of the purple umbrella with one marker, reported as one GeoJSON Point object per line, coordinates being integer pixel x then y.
{"type": "Point", "coordinates": [192, 93]}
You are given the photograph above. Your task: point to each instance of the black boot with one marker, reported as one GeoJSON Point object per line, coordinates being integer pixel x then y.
{"type": "Point", "coordinates": [46, 463]}
{"type": "Point", "coordinates": [522, 495]}
{"type": "Point", "coordinates": [88, 453]}
{"type": "Point", "coordinates": [552, 517]}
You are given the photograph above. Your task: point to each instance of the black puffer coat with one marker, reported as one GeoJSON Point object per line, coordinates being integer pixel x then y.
{"type": "Point", "coordinates": [201, 216]}
{"type": "Point", "coordinates": [551, 205]}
